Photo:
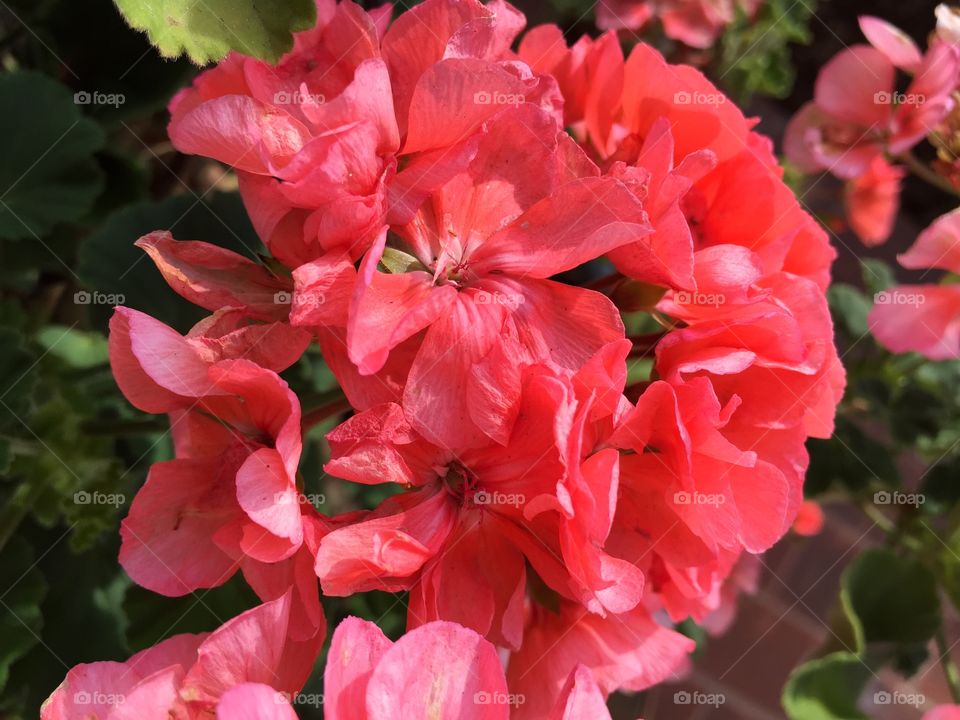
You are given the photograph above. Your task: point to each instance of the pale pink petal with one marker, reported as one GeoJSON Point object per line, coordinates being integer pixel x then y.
{"type": "Point", "coordinates": [899, 48]}
{"type": "Point", "coordinates": [213, 277]}
{"type": "Point", "coordinates": [439, 670]}
{"type": "Point", "coordinates": [919, 318]}
{"type": "Point", "coordinates": [356, 648]}
{"type": "Point", "coordinates": [580, 698]}
{"type": "Point", "coordinates": [936, 247]}
{"type": "Point", "coordinates": [254, 701]}
{"type": "Point", "coordinates": [855, 86]}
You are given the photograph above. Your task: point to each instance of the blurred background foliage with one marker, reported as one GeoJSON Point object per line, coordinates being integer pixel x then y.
{"type": "Point", "coordinates": [84, 174]}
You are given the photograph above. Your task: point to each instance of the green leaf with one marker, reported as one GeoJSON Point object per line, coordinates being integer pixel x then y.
{"type": "Point", "coordinates": [889, 599]}
{"type": "Point", "coordinates": [77, 348]}
{"type": "Point", "coordinates": [850, 307]}
{"type": "Point", "coordinates": [877, 275]}
{"type": "Point", "coordinates": [48, 174]}
{"type": "Point", "coordinates": [755, 50]}
{"type": "Point", "coordinates": [23, 590]}
{"type": "Point", "coordinates": [208, 30]}
{"type": "Point", "coordinates": [826, 689]}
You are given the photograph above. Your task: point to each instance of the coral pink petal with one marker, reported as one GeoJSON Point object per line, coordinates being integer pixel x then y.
{"type": "Point", "coordinates": [156, 367]}
{"type": "Point", "coordinates": [581, 221]}
{"type": "Point", "coordinates": [213, 277]}
{"type": "Point", "coordinates": [239, 131]}
{"type": "Point", "coordinates": [247, 648]}
{"type": "Point", "coordinates": [166, 538]}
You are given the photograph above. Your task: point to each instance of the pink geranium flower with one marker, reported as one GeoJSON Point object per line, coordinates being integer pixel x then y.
{"type": "Point", "coordinates": [358, 120]}
{"type": "Point", "coordinates": [473, 520]}
{"type": "Point", "coordinates": [924, 318]}
{"type": "Point", "coordinates": [470, 272]}
{"type": "Point", "coordinates": [857, 113]}
{"type": "Point", "coordinates": [188, 677]}
{"type": "Point", "coordinates": [229, 499]}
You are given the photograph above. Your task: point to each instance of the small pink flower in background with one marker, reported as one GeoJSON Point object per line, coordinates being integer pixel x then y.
{"type": "Point", "coordinates": [697, 23]}
{"type": "Point", "coordinates": [809, 520]}
{"type": "Point", "coordinates": [872, 201]}
{"type": "Point", "coordinates": [924, 318]}
{"type": "Point", "coordinates": [858, 118]}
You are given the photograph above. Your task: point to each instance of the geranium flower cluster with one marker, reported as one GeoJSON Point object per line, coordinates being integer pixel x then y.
{"type": "Point", "coordinates": [563, 490]}
{"type": "Point", "coordinates": [859, 124]}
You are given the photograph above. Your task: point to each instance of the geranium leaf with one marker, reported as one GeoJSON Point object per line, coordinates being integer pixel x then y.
{"type": "Point", "coordinates": [207, 31]}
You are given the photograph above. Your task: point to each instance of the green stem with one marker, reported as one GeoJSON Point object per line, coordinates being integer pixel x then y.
{"type": "Point", "coordinates": [923, 171]}
{"type": "Point", "coordinates": [949, 667]}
